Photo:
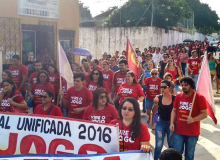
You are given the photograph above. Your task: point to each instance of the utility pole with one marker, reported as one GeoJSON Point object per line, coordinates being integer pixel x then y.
{"type": "Point", "coordinates": [152, 14]}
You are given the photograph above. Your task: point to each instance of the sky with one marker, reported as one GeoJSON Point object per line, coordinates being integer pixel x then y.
{"type": "Point", "coordinates": [97, 6]}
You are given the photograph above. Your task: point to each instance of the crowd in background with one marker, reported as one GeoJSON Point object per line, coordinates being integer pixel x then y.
{"type": "Point", "coordinates": [106, 91]}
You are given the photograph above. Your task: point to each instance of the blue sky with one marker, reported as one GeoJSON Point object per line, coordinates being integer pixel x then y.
{"type": "Point", "coordinates": [97, 6]}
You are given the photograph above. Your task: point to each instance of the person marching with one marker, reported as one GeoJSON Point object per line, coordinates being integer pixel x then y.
{"type": "Point", "coordinates": [164, 104]}
{"type": "Point", "coordinates": [188, 110]}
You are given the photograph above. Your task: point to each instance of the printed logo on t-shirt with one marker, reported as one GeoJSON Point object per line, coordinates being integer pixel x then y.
{"type": "Point", "coordinates": [106, 76]}
{"type": "Point", "coordinates": [153, 87]}
{"type": "Point", "coordinates": [127, 90]}
{"type": "Point", "coordinates": [124, 134]}
{"type": "Point", "coordinates": [15, 73]}
{"type": "Point", "coordinates": [76, 100]}
{"type": "Point", "coordinates": [52, 79]}
{"type": "Point", "coordinates": [38, 91]}
{"type": "Point", "coordinates": [99, 119]}
{"type": "Point", "coordinates": [194, 63]}
{"type": "Point", "coordinates": [34, 80]}
{"type": "Point", "coordinates": [92, 88]}
{"type": "Point", "coordinates": [185, 106]}
{"type": "Point", "coordinates": [5, 103]}
{"type": "Point", "coordinates": [120, 80]}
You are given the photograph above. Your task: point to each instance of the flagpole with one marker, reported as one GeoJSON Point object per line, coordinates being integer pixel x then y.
{"type": "Point", "coordinates": [59, 96]}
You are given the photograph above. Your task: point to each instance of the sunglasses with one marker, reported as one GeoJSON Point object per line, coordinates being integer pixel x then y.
{"type": "Point", "coordinates": [170, 61]}
{"type": "Point", "coordinates": [165, 57]}
{"type": "Point", "coordinates": [129, 109]}
{"type": "Point", "coordinates": [44, 97]}
{"type": "Point", "coordinates": [103, 97]}
{"type": "Point", "coordinates": [154, 73]}
{"type": "Point", "coordinates": [164, 87]}
{"type": "Point", "coordinates": [96, 74]}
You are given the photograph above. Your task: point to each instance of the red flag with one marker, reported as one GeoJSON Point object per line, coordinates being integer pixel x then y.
{"type": "Point", "coordinates": [204, 87]}
{"type": "Point", "coordinates": [133, 63]}
{"type": "Point", "coordinates": [64, 67]}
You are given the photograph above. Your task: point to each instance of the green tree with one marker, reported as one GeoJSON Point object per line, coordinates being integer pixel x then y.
{"type": "Point", "coordinates": [206, 20]}
{"type": "Point", "coordinates": [85, 13]}
{"type": "Point", "coordinates": [166, 13]}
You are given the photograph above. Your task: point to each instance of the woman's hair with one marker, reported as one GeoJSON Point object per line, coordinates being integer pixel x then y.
{"type": "Point", "coordinates": [100, 80]}
{"type": "Point", "coordinates": [167, 75]}
{"type": "Point", "coordinates": [154, 70]}
{"type": "Point", "coordinates": [38, 76]}
{"type": "Point", "coordinates": [86, 66]}
{"type": "Point", "coordinates": [167, 66]}
{"type": "Point", "coordinates": [105, 61]}
{"type": "Point", "coordinates": [133, 76]}
{"type": "Point", "coordinates": [8, 72]}
{"type": "Point", "coordinates": [209, 55]}
{"type": "Point", "coordinates": [50, 94]}
{"type": "Point", "coordinates": [96, 95]}
{"type": "Point", "coordinates": [136, 123]}
{"type": "Point", "coordinates": [53, 66]}
{"type": "Point", "coordinates": [83, 60]}
{"type": "Point", "coordinates": [168, 83]}
{"type": "Point", "coordinates": [151, 61]}
{"type": "Point", "coordinates": [10, 81]}
{"type": "Point", "coordinates": [184, 50]}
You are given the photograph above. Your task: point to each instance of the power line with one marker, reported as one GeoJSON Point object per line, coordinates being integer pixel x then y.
{"type": "Point", "coordinates": [144, 12]}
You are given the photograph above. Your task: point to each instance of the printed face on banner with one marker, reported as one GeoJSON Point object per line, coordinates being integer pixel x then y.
{"type": "Point", "coordinates": [45, 135]}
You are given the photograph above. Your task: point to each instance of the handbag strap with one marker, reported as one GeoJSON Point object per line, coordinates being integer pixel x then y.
{"type": "Point", "coordinates": [48, 113]}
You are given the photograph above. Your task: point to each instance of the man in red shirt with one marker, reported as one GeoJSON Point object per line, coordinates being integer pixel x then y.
{"type": "Point", "coordinates": [33, 76]}
{"type": "Point", "coordinates": [153, 88]}
{"type": "Point", "coordinates": [187, 129]}
{"type": "Point", "coordinates": [119, 78]}
{"type": "Point", "coordinates": [194, 64]}
{"type": "Point", "coordinates": [95, 65]}
{"type": "Point", "coordinates": [19, 74]}
{"type": "Point", "coordinates": [77, 97]}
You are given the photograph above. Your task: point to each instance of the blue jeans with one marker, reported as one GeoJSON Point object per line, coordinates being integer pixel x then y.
{"type": "Point", "coordinates": [149, 103]}
{"type": "Point", "coordinates": [176, 88]}
{"type": "Point", "coordinates": [194, 77]}
{"type": "Point", "coordinates": [188, 141]}
{"type": "Point", "coordinates": [162, 129]}
{"type": "Point", "coordinates": [183, 68]}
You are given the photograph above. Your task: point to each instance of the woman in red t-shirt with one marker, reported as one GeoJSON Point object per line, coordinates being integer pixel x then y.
{"type": "Point", "coordinates": [47, 107]}
{"type": "Point", "coordinates": [130, 88]}
{"type": "Point", "coordinates": [133, 135]}
{"type": "Point", "coordinates": [108, 74]}
{"type": "Point", "coordinates": [175, 71]}
{"type": "Point", "coordinates": [100, 110]}
{"type": "Point", "coordinates": [54, 79]}
{"type": "Point", "coordinates": [96, 80]}
{"type": "Point", "coordinates": [11, 99]}
{"type": "Point", "coordinates": [6, 74]}
{"type": "Point", "coordinates": [43, 83]}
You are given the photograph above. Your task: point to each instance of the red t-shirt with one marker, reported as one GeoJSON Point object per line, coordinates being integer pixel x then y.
{"type": "Point", "coordinates": [7, 107]}
{"type": "Point", "coordinates": [17, 73]}
{"type": "Point", "coordinates": [177, 61]}
{"type": "Point", "coordinates": [108, 78]}
{"type": "Point", "coordinates": [64, 86]}
{"type": "Point", "coordinates": [78, 99]}
{"type": "Point", "coordinates": [125, 133]}
{"type": "Point", "coordinates": [194, 65]}
{"type": "Point", "coordinates": [134, 91]}
{"type": "Point", "coordinates": [183, 106]}
{"type": "Point", "coordinates": [153, 87]}
{"type": "Point", "coordinates": [55, 81]}
{"type": "Point", "coordinates": [106, 115]}
{"type": "Point", "coordinates": [55, 111]}
{"type": "Point", "coordinates": [33, 78]}
{"type": "Point", "coordinates": [37, 91]}
{"type": "Point", "coordinates": [119, 78]}
{"type": "Point", "coordinates": [93, 86]}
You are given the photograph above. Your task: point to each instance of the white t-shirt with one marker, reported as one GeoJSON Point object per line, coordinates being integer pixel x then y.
{"type": "Point", "coordinates": [157, 58]}
{"type": "Point", "coordinates": [139, 59]}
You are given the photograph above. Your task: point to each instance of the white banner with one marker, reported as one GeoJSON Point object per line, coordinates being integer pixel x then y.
{"type": "Point", "coordinates": [134, 155]}
{"type": "Point", "coordinates": [27, 134]}
{"type": "Point", "coordinates": [39, 8]}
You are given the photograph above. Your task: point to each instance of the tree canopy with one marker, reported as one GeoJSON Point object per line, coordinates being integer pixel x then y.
{"type": "Point", "coordinates": [167, 14]}
{"type": "Point", "coordinates": [84, 12]}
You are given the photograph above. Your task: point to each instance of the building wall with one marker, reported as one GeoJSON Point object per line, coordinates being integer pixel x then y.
{"type": "Point", "coordinates": [100, 40]}
{"type": "Point", "coordinates": [68, 16]}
